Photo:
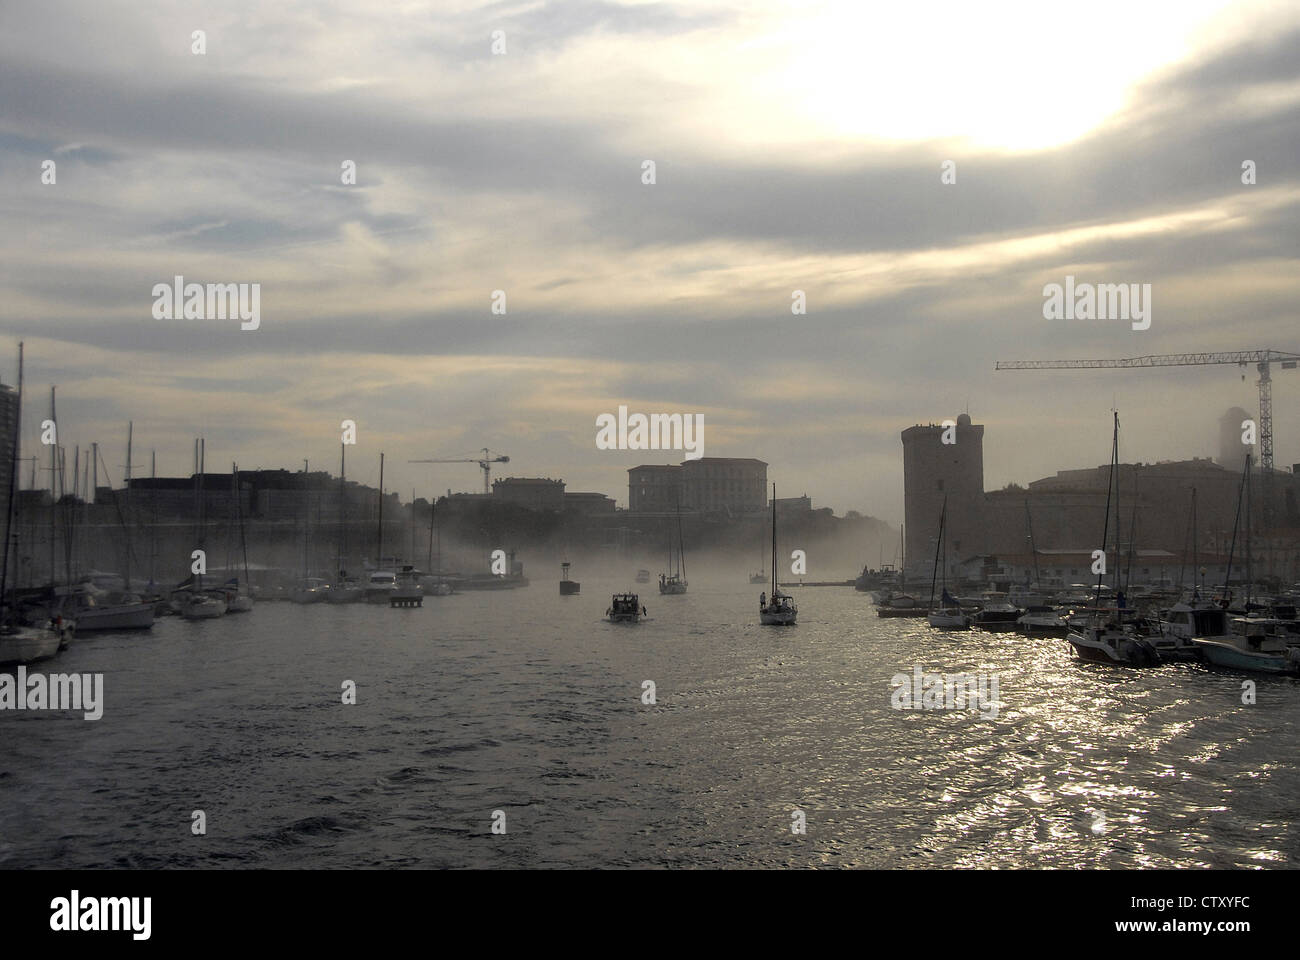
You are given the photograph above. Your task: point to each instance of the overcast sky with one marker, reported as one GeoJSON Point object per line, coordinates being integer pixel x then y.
{"type": "Point", "coordinates": [798, 146]}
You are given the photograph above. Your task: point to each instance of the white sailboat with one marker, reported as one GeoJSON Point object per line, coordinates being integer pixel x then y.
{"type": "Point", "coordinates": [778, 610]}
{"type": "Point", "coordinates": [1103, 639]}
{"type": "Point", "coordinates": [948, 615]}
{"type": "Point", "coordinates": [674, 582]}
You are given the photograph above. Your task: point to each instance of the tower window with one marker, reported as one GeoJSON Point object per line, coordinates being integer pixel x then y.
{"type": "Point", "coordinates": [940, 482]}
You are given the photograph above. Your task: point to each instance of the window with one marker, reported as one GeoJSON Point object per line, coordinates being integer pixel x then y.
{"type": "Point", "coordinates": [940, 482]}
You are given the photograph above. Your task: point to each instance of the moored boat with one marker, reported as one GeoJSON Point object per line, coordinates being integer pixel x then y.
{"type": "Point", "coordinates": [779, 609]}
{"type": "Point", "coordinates": [1254, 644]}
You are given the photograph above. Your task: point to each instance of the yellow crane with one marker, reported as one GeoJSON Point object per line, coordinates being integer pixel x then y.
{"type": "Point", "coordinates": [485, 462]}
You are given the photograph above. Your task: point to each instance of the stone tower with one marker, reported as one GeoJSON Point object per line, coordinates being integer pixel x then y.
{"type": "Point", "coordinates": [933, 469]}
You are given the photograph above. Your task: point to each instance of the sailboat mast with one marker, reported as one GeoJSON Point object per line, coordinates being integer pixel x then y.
{"type": "Point", "coordinates": [10, 480]}
{"type": "Point", "coordinates": [934, 574]}
{"type": "Point", "coordinates": [130, 430]}
{"type": "Point", "coordinates": [343, 506]}
{"type": "Point", "coordinates": [774, 540]}
{"type": "Point", "coordinates": [239, 512]}
{"type": "Point", "coordinates": [54, 496]}
{"type": "Point", "coordinates": [306, 520]}
{"type": "Point", "coordinates": [1029, 528]}
{"type": "Point", "coordinates": [1105, 531]}
{"type": "Point", "coordinates": [379, 557]}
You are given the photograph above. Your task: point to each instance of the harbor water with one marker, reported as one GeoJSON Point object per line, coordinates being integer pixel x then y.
{"type": "Point", "coordinates": [527, 703]}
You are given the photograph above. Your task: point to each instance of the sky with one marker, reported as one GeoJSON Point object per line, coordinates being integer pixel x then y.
{"type": "Point", "coordinates": [796, 146]}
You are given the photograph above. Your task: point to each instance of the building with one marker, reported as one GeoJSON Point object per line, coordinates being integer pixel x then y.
{"type": "Point", "coordinates": [729, 486]}
{"type": "Point", "coordinates": [793, 506]}
{"type": "Point", "coordinates": [589, 504]}
{"type": "Point", "coordinates": [1231, 449]}
{"type": "Point", "coordinates": [1067, 511]}
{"type": "Point", "coordinates": [534, 493]}
{"type": "Point", "coordinates": [935, 472]}
{"type": "Point", "coordinates": [654, 488]}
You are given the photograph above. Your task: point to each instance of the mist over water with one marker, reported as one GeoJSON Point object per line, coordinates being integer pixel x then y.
{"type": "Point", "coordinates": [527, 702]}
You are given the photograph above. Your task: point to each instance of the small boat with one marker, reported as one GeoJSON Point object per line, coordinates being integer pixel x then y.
{"type": "Point", "coordinates": [345, 589]}
{"type": "Point", "coordinates": [1256, 644]}
{"type": "Point", "coordinates": [1102, 636]}
{"type": "Point", "coordinates": [996, 612]}
{"type": "Point", "coordinates": [900, 605]}
{"type": "Point", "coordinates": [673, 583]}
{"type": "Point", "coordinates": [778, 610]}
{"type": "Point", "coordinates": [568, 588]}
{"type": "Point", "coordinates": [1183, 623]}
{"type": "Point", "coordinates": [28, 644]}
{"type": "Point", "coordinates": [237, 600]}
{"type": "Point", "coordinates": [407, 591]}
{"type": "Point", "coordinates": [309, 590]}
{"type": "Point", "coordinates": [643, 576]}
{"type": "Point", "coordinates": [381, 586]}
{"type": "Point", "coordinates": [758, 577]}
{"type": "Point", "coordinates": [625, 608]}
{"type": "Point", "coordinates": [949, 614]}
{"type": "Point", "coordinates": [200, 605]}
{"type": "Point", "coordinates": [436, 585]}
{"type": "Point", "coordinates": [1040, 620]}
{"type": "Point", "coordinates": [1106, 641]}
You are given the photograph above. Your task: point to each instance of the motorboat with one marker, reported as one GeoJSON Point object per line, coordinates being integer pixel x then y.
{"type": "Point", "coordinates": [381, 585]}
{"type": "Point", "coordinates": [309, 590]}
{"type": "Point", "coordinates": [407, 590]}
{"type": "Point", "coordinates": [346, 590]}
{"type": "Point", "coordinates": [1255, 644]}
{"type": "Point", "coordinates": [1183, 623]}
{"type": "Point", "coordinates": [1041, 620]}
{"type": "Point", "coordinates": [1106, 641]}
{"type": "Point", "coordinates": [625, 608]}
{"type": "Point", "coordinates": [996, 612]}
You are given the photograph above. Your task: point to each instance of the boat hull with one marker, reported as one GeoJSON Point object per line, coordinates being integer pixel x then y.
{"type": "Point", "coordinates": [1232, 657]}
{"type": "Point", "coordinates": [122, 616]}
{"type": "Point", "coordinates": [28, 645]}
{"type": "Point", "coordinates": [948, 621]}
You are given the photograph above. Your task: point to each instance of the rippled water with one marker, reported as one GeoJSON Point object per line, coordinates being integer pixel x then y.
{"type": "Point", "coordinates": [526, 702]}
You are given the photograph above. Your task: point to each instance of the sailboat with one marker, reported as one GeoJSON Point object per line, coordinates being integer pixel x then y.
{"type": "Point", "coordinates": [675, 581]}
{"type": "Point", "coordinates": [1104, 640]}
{"type": "Point", "coordinates": [948, 615]}
{"type": "Point", "coordinates": [196, 604]}
{"type": "Point", "coordinates": [778, 610]}
{"type": "Point", "coordinates": [382, 583]}
{"type": "Point", "coordinates": [1253, 643]}
{"type": "Point", "coordinates": [20, 643]}
{"type": "Point", "coordinates": [344, 589]}
{"type": "Point", "coordinates": [308, 589]}
{"type": "Point", "coordinates": [239, 598]}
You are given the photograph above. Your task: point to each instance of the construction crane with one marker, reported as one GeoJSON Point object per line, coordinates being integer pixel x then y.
{"type": "Point", "coordinates": [485, 462]}
{"type": "Point", "coordinates": [1262, 359]}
